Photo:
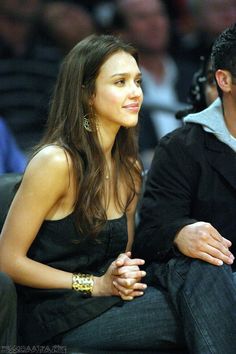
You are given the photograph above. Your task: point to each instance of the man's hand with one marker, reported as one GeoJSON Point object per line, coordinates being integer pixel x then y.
{"type": "Point", "coordinates": [201, 240]}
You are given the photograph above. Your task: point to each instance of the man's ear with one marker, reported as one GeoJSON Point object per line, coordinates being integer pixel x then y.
{"type": "Point", "coordinates": [224, 80]}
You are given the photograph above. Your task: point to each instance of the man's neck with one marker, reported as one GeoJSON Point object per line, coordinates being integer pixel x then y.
{"type": "Point", "coordinates": [229, 108]}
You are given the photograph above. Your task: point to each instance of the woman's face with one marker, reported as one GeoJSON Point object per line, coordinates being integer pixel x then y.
{"type": "Point", "coordinates": [118, 94]}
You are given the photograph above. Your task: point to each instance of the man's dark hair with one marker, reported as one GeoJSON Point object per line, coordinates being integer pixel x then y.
{"type": "Point", "coordinates": [223, 54]}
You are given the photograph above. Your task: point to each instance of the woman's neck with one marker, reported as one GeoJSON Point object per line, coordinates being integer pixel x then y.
{"type": "Point", "coordinates": [107, 138]}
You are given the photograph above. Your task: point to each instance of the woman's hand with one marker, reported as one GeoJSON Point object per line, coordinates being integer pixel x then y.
{"type": "Point", "coordinates": [128, 276]}
{"type": "Point", "coordinates": [121, 279]}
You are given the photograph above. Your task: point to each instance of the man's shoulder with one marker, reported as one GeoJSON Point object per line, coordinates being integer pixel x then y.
{"type": "Point", "coordinates": [187, 140]}
{"type": "Point", "coordinates": [190, 133]}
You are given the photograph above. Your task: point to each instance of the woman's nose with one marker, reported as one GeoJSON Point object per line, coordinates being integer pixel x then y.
{"type": "Point", "coordinates": [135, 91]}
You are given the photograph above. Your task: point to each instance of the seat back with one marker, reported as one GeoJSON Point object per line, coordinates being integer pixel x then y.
{"type": "Point", "coordinates": [8, 188]}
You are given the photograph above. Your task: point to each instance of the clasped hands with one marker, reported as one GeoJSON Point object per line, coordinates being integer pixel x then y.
{"type": "Point", "coordinates": [122, 278]}
{"type": "Point", "coordinates": [127, 276]}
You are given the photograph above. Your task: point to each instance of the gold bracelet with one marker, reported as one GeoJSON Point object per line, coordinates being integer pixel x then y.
{"type": "Point", "coordinates": [82, 283]}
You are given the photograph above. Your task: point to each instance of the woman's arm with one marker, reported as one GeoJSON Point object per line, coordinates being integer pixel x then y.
{"type": "Point", "coordinates": [127, 272]}
{"type": "Point", "coordinates": [40, 195]}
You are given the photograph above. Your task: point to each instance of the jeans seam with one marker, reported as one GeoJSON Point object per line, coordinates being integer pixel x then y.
{"type": "Point", "coordinates": [195, 320]}
{"type": "Point", "coordinates": [198, 325]}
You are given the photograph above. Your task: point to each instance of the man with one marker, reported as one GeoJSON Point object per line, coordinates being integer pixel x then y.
{"type": "Point", "coordinates": [7, 313]}
{"type": "Point", "coordinates": [187, 221]}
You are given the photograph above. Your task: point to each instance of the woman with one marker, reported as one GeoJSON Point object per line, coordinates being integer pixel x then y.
{"type": "Point", "coordinates": [74, 211]}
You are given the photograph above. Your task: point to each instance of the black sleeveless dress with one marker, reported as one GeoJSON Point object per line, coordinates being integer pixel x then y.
{"type": "Point", "coordinates": [46, 313]}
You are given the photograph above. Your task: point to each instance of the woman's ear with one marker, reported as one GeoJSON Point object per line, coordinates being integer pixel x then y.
{"type": "Point", "coordinates": [224, 80]}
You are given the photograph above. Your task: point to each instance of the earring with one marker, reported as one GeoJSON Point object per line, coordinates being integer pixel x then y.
{"type": "Point", "coordinates": [86, 124]}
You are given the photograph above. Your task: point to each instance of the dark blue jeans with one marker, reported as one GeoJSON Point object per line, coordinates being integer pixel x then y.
{"type": "Point", "coordinates": [7, 311]}
{"type": "Point", "coordinates": [145, 323]}
{"type": "Point", "coordinates": [204, 296]}
{"type": "Point", "coordinates": [194, 304]}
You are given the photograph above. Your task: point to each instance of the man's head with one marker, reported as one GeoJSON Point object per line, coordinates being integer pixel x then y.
{"type": "Point", "coordinates": [67, 23]}
{"type": "Point", "coordinates": [18, 19]}
{"type": "Point", "coordinates": [223, 59]}
{"type": "Point", "coordinates": [145, 24]}
{"type": "Point", "coordinates": [20, 10]}
{"type": "Point", "coordinates": [213, 16]}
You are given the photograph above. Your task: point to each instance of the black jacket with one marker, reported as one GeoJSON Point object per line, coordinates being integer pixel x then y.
{"type": "Point", "coordinates": [192, 178]}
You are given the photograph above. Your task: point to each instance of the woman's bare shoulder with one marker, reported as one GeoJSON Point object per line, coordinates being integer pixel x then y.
{"type": "Point", "coordinates": [50, 166]}
{"type": "Point", "coordinates": [51, 157]}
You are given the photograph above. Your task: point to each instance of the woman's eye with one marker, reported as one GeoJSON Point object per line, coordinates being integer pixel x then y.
{"type": "Point", "coordinates": [138, 82]}
{"type": "Point", "coordinates": [120, 82]}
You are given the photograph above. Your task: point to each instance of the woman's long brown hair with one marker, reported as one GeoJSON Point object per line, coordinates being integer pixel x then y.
{"type": "Point", "coordinates": [69, 105]}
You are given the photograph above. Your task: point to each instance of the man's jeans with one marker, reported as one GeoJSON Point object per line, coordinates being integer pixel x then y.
{"type": "Point", "coordinates": [204, 296]}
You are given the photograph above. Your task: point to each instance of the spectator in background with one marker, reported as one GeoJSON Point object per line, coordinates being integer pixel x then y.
{"type": "Point", "coordinates": [11, 158]}
{"type": "Point", "coordinates": [165, 83]}
{"type": "Point", "coordinates": [27, 70]}
{"type": "Point", "coordinates": [66, 24]}
{"type": "Point", "coordinates": [210, 18]}
{"type": "Point", "coordinates": [203, 90]}
{"type": "Point", "coordinates": [30, 57]}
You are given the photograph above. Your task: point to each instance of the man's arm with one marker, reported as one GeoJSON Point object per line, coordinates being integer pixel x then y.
{"type": "Point", "coordinates": [166, 220]}
{"type": "Point", "coordinates": [167, 200]}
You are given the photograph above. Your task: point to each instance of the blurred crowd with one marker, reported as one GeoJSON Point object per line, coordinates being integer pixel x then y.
{"type": "Point", "coordinates": [174, 38]}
